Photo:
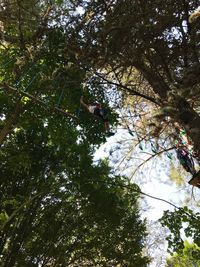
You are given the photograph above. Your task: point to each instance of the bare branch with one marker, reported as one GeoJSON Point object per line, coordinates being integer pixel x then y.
{"type": "Point", "coordinates": [129, 90]}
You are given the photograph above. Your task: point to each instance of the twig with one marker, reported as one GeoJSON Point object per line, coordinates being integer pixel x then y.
{"type": "Point", "coordinates": [152, 156]}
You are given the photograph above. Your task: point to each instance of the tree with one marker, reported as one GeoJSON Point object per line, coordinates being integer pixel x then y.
{"type": "Point", "coordinates": [57, 207]}
{"type": "Point", "coordinates": [148, 51]}
{"type": "Point", "coordinates": [186, 258]}
{"type": "Point", "coordinates": [115, 38]}
{"type": "Point", "coordinates": [179, 221]}
{"type": "Point", "coordinates": [144, 52]}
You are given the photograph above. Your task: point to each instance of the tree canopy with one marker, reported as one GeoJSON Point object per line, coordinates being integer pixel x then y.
{"type": "Point", "coordinates": [188, 257]}
{"type": "Point", "coordinates": [140, 59]}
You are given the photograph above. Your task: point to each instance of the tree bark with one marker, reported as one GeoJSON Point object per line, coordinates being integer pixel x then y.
{"type": "Point", "coordinates": [190, 120]}
{"type": "Point", "coordinates": [184, 114]}
{"type": "Point", "coordinates": [155, 80]}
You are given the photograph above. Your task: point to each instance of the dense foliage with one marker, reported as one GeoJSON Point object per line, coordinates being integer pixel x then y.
{"type": "Point", "coordinates": [189, 256]}
{"type": "Point", "coordinates": [58, 208]}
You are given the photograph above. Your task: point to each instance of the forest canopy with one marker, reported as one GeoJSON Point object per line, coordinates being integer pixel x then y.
{"type": "Point", "coordinates": [141, 61]}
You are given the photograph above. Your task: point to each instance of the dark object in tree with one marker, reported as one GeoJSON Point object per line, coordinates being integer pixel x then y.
{"type": "Point", "coordinates": [97, 110]}
{"type": "Point", "coordinates": [185, 160]}
{"type": "Point", "coordinates": [110, 134]}
{"type": "Point", "coordinates": [195, 181]}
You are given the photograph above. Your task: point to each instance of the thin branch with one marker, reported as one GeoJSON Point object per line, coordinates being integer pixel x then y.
{"type": "Point", "coordinates": [160, 199]}
{"type": "Point", "coordinates": [125, 88]}
{"type": "Point", "coordinates": [150, 196]}
{"type": "Point", "coordinates": [152, 156]}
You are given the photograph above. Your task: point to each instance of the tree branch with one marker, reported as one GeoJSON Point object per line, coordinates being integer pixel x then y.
{"type": "Point", "coordinates": [152, 156]}
{"type": "Point", "coordinates": [129, 186]}
{"type": "Point", "coordinates": [36, 100]}
{"type": "Point", "coordinates": [125, 88]}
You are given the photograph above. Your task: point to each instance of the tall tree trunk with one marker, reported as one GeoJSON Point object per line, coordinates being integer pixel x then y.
{"type": "Point", "coordinates": [184, 113]}
{"type": "Point", "coordinates": [190, 121]}
{"type": "Point", "coordinates": [155, 80]}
